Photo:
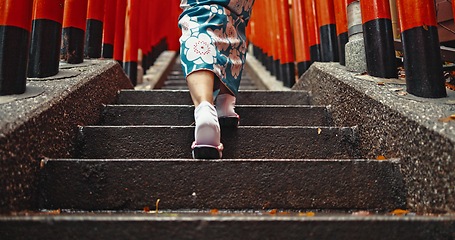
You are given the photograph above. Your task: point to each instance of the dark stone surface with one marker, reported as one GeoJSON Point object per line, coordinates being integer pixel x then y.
{"type": "Point", "coordinates": [292, 115]}
{"type": "Point", "coordinates": [45, 126]}
{"type": "Point", "coordinates": [227, 226]}
{"type": "Point", "coordinates": [222, 184]}
{"type": "Point", "coordinates": [246, 97]}
{"type": "Point", "coordinates": [245, 142]}
{"type": "Point", "coordinates": [396, 127]}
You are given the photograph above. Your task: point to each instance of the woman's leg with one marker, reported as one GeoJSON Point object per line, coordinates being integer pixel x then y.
{"type": "Point", "coordinates": [200, 84]}
{"type": "Point", "coordinates": [207, 133]}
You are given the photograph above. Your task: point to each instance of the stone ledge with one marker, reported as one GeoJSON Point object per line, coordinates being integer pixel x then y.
{"type": "Point", "coordinates": [44, 125]}
{"type": "Point", "coordinates": [396, 127]}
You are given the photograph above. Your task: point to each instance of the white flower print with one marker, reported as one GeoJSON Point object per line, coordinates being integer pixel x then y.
{"type": "Point", "coordinates": [189, 27]}
{"type": "Point", "coordinates": [200, 49]}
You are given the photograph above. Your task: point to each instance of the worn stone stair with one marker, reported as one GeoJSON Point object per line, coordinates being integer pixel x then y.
{"type": "Point", "coordinates": [287, 173]}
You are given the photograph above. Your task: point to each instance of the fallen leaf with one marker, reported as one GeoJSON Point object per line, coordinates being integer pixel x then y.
{"type": "Point", "coordinates": [381, 158]}
{"type": "Point", "coordinates": [214, 211]}
{"type": "Point", "coordinates": [319, 131]}
{"type": "Point", "coordinates": [381, 83]}
{"type": "Point", "coordinates": [157, 205]}
{"type": "Point", "coordinates": [42, 164]}
{"type": "Point", "coordinates": [273, 211]}
{"type": "Point", "coordinates": [447, 119]}
{"type": "Point", "coordinates": [402, 93]}
{"type": "Point", "coordinates": [361, 213]}
{"type": "Point", "coordinates": [310, 214]}
{"type": "Point", "coordinates": [54, 212]}
{"type": "Point", "coordinates": [396, 89]}
{"type": "Point", "coordinates": [146, 209]}
{"type": "Point", "coordinates": [399, 212]}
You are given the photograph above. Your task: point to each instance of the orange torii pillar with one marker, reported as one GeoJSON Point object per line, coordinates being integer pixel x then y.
{"type": "Point", "coordinates": [173, 30]}
{"type": "Point", "coordinates": [109, 28]}
{"type": "Point", "coordinates": [143, 34]}
{"type": "Point", "coordinates": [256, 30]}
{"type": "Point", "coordinates": [378, 37]}
{"type": "Point", "coordinates": [422, 56]}
{"type": "Point", "coordinates": [150, 34]}
{"type": "Point", "coordinates": [94, 33]}
{"type": "Point", "coordinates": [15, 25]}
{"type": "Point", "coordinates": [302, 49]}
{"type": "Point", "coordinates": [46, 38]}
{"type": "Point", "coordinates": [287, 65]}
{"type": "Point", "coordinates": [119, 38]}
{"type": "Point", "coordinates": [130, 53]}
{"type": "Point", "coordinates": [327, 28]}
{"type": "Point", "coordinates": [272, 60]}
{"type": "Point", "coordinates": [342, 28]}
{"type": "Point", "coordinates": [73, 33]}
{"type": "Point", "coordinates": [314, 40]}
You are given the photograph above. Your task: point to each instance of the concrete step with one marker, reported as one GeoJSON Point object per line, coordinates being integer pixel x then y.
{"type": "Point", "coordinates": [182, 97]}
{"type": "Point", "coordinates": [244, 142]}
{"type": "Point", "coordinates": [222, 184]}
{"type": "Point", "coordinates": [182, 115]}
{"type": "Point", "coordinates": [223, 226]}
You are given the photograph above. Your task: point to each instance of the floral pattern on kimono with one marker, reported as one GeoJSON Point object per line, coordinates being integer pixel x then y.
{"type": "Point", "coordinates": [213, 38]}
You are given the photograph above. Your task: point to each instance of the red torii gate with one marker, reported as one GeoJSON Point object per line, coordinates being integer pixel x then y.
{"type": "Point", "coordinates": [91, 29]}
{"type": "Point", "coordinates": [280, 39]}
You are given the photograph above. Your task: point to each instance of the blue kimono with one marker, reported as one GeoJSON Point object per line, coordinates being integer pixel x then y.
{"type": "Point", "coordinates": [213, 38]}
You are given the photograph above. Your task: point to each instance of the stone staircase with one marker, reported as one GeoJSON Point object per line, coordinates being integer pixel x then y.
{"type": "Point", "coordinates": [287, 173]}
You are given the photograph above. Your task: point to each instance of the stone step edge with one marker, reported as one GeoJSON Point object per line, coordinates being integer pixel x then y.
{"type": "Point", "coordinates": [392, 160]}
{"type": "Point", "coordinates": [220, 215]}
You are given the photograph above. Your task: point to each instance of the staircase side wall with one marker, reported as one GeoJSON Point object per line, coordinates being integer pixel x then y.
{"type": "Point", "coordinates": [396, 127]}
{"type": "Point", "coordinates": [46, 126]}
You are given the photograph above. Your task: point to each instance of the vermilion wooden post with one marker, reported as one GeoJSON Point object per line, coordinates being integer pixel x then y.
{"type": "Point", "coordinates": [378, 37]}
{"type": "Point", "coordinates": [314, 40]}
{"type": "Point", "coordinates": [150, 33]}
{"type": "Point", "coordinates": [109, 28]}
{"type": "Point", "coordinates": [302, 49]}
{"type": "Point", "coordinates": [73, 34]}
{"type": "Point", "coordinates": [15, 25]}
{"type": "Point", "coordinates": [342, 28]}
{"type": "Point", "coordinates": [94, 34]}
{"type": "Point", "coordinates": [119, 38]}
{"type": "Point", "coordinates": [130, 53]}
{"type": "Point", "coordinates": [327, 28]}
{"type": "Point", "coordinates": [422, 57]}
{"type": "Point", "coordinates": [46, 38]}
{"type": "Point", "coordinates": [273, 43]}
{"type": "Point", "coordinates": [143, 33]}
{"type": "Point", "coordinates": [287, 66]}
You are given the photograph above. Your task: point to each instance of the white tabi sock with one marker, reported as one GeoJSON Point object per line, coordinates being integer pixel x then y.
{"type": "Point", "coordinates": [207, 131]}
{"type": "Point", "coordinates": [225, 104]}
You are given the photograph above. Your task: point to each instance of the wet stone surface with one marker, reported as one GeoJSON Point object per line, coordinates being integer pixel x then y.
{"type": "Point", "coordinates": [394, 126]}
{"type": "Point", "coordinates": [45, 125]}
